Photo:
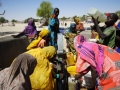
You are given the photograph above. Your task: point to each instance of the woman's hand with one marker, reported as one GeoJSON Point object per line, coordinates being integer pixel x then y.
{"type": "Point", "coordinates": [77, 76]}
{"type": "Point", "coordinates": [95, 21]}
{"type": "Point", "coordinates": [53, 16]}
{"type": "Point", "coordinates": [42, 43]}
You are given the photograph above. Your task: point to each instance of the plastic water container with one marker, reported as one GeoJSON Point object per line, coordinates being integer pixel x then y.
{"type": "Point", "coordinates": [88, 81]}
{"type": "Point", "coordinates": [70, 59]}
{"type": "Point", "coordinates": [96, 13]}
{"type": "Point", "coordinates": [72, 83]}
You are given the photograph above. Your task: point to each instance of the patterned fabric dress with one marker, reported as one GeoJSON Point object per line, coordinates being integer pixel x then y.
{"type": "Point", "coordinates": [103, 59]}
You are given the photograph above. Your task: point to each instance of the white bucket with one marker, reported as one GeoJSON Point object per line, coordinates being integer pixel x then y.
{"type": "Point", "coordinates": [96, 13]}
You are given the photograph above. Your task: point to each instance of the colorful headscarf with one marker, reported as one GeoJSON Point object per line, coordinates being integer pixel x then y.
{"type": "Point", "coordinates": [77, 20]}
{"type": "Point", "coordinates": [43, 53]}
{"type": "Point", "coordinates": [44, 32]}
{"type": "Point", "coordinates": [71, 25]}
{"type": "Point", "coordinates": [34, 43]}
{"type": "Point", "coordinates": [90, 52]}
{"type": "Point", "coordinates": [31, 22]}
{"type": "Point", "coordinates": [49, 52]}
{"type": "Point", "coordinates": [52, 13]}
{"type": "Point", "coordinates": [30, 30]}
{"type": "Point", "coordinates": [41, 78]}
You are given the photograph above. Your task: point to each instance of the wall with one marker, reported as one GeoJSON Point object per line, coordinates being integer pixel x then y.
{"type": "Point", "coordinates": [10, 48]}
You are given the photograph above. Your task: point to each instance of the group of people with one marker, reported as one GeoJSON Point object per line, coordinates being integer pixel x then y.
{"type": "Point", "coordinates": [100, 57]}
{"type": "Point", "coordinates": [32, 70]}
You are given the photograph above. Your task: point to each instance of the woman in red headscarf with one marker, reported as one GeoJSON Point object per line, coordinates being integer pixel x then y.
{"type": "Point", "coordinates": [103, 61]}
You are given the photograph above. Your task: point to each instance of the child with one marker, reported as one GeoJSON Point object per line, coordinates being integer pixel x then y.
{"type": "Point", "coordinates": [108, 35]}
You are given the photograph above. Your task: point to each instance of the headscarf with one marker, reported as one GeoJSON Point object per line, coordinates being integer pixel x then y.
{"type": "Point", "coordinates": [30, 30]}
{"type": "Point", "coordinates": [77, 20]}
{"type": "Point", "coordinates": [17, 77]}
{"type": "Point", "coordinates": [52, 13]}
{"type": "Point", "coordinates": [107, 14]}
{"type": "Point", "coordinates": [41, 78]}
{"type": "Point", "coordinates": [92, 53]}
{"type": "Point", "coordinates": [79, 25]}
{"type": "Point", "coordinates": [31, 22]}
{"type": "Point", "coordinates": [34, 43]}
{"type": "Point", "coordinates": [43, 33]}
{"type": "Point", "coordinates": [44, 53]}
{"type": "Point", "coordinates": [71, 25]}
{"type": "Point", "coordinates": [49, 52]}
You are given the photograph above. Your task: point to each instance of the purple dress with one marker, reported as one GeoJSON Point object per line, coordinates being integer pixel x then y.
{"type": "Point", "coordinates": [30, 30]}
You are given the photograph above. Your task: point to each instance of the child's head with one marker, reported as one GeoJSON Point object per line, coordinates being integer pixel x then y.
{"type": "Point", "coordinates": [111, 19]}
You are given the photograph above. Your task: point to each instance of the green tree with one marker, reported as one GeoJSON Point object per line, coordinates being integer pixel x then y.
{"type": "Point", "coordinates": [36, 20]}
{"type": "Point", "coordinates": [45, 10]}
{"type": "Point", "coordinates": [83, 18]}
{"type": "Point", "coordinates": [63, 18]}
{"type": "Point", "coordinates": [74, 16]}
{"type": "Point", "coordinates": [118, 13]}
{"type": "Point", "coordinates": [6, 21]}
{"type": "Point", "coordinates": [26, 20]}
{"type": "Point", "coordinates": [2, 20]}
{"type": "Point", "coordinates": [13, 20]}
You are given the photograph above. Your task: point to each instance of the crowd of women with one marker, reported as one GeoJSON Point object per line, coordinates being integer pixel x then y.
{"type": "Point", "coordinates": [32, 70]}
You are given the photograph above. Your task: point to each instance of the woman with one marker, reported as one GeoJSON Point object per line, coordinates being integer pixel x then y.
{"type": "Point", "coordinates": [69, 36]}
{"type": "Point", "coordinates": [41, 78]}
{"type": "Point", "coordinates": [29, 30]}
{"type": "Point", "coordinates": [79, 25]}
{"type": "Point", "coordinates": [102, 60]}
{"type": "Point", "coordinates": [41, 41]}
{"type": "Point", "coordinates": [16, 77]}
{"type": "Point", "coordinates": [54, 27]}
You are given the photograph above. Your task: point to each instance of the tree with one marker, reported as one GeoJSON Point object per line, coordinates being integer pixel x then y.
{"type": "Point", "coordinates": [36, 20]}
{"type": "Point", "coordinates": [63, 18]}
{"type": "Point", "coordinates": [2, 20]}
{"type": "Point", "coordinates": [45, 10]}
{"type": "Point", "coordinates": [83, 18]}
{"type": "Point", "coordinates": [74, 16]}
{"type": "Point", "coordinates": [26, 20]}
{"type": "Point", "coordinates": [13, 20]}
{"type": "Point", "coordinates": [118, 13]}
{"type": "Point", "coordinates": [6, 21]}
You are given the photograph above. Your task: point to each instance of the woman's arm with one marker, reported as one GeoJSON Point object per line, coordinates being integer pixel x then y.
{"type": "Point", "coordinates": [79, 75]}
{"type": "Point", "coordinates": [101, 34]}
{"type": "Point", "coordinates": [94, 75]}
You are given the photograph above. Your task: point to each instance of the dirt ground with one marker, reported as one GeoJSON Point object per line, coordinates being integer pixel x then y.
{"type": "Point", "coordinates": [83, 89]}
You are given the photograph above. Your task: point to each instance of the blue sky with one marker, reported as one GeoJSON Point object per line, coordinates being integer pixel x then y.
{"type": "Point", "coordinates": [22, 9]}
